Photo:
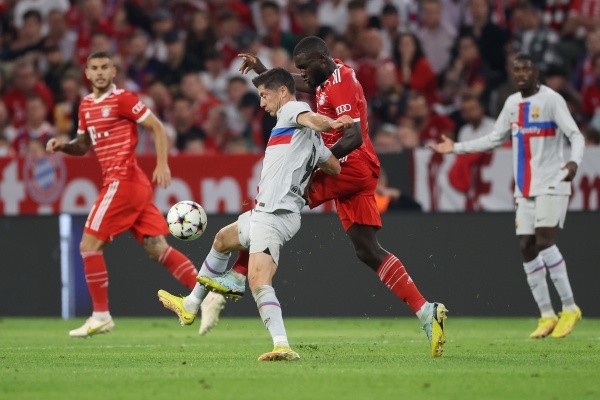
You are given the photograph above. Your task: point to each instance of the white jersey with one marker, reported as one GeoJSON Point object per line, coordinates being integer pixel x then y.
{"type": "Point", "coordinates": [291, 155]}
{"type": "Point", "coordinates": [537, 125]}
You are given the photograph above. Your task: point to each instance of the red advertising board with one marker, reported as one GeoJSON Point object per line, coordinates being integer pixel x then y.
{"type": "Point", "coordinates": [65, 184]}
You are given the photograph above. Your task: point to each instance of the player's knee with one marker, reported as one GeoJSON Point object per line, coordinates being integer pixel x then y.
{"type": "Point", "coordinates": [526, 244]}
{"type": "Point", "coordinates": [219, 244]}
{"type": "Point", "coordinates": [542, 243]}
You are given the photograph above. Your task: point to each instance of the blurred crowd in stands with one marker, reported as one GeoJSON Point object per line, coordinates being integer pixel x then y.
{"type": "Point", "coordinates": [428, 67]}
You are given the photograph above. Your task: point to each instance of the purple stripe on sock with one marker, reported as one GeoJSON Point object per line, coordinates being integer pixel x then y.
{"type": "Point", "coordinates": [556, 264]}
{"type": "Point", "coordinates": [537, 269]}
{"type": "Point", "coordinates": [212, 271]}
{"type": "Point", "coordinates": [269, 303]}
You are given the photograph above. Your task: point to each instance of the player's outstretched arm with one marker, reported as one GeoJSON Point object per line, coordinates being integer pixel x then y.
{"type": "Point", "coordinates": [444, 147]}
{"type": "Point", "coordinates": [253, 63]}
{"type": "Point", "coordinates": [322, 123]}
{"type": "Point", "coordinates": [161, 174]}
{"type": "Point", "coordinates": [76, 147]}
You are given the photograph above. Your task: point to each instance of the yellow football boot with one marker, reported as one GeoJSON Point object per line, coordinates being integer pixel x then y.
{"type": "Point", "coordinates": [566, 322]}
{"type": "Point", "coordinates": [545, 327]}
{"type": "Point", "coordinates": [175, 304]}
{"type": "Point", "coordinates": [280, 353]}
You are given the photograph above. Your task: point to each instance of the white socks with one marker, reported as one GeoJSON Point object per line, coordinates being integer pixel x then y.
{"type": "Point", "coordinates": [421, 313]}
{"type": "Point", "coordinates": [270, 313]}
{"type": "Point", "coordinates": [191, 303]}
{"type": "Point", "coordinates": [103, 316]}
{"type": "Point", "coordinates": [549, 259]}
{"type": "Point", "coordinates": [215, 264]}
{"type": "Point", "coordinates": [536, 278]}
{"type": "Point", "coordinates": [557, 267]}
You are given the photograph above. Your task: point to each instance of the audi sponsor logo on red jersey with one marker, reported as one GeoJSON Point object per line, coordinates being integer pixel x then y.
{"type": "Point", "coordinates": [344, 108]}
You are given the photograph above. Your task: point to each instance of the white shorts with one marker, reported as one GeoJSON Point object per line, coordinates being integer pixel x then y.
{"type": "Point", "coordinates": [260, 231]}
{"type": "Point", "coordinates": [545, 211]}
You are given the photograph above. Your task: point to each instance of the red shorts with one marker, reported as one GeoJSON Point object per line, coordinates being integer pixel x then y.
{"type": "Point", "coordinates": [353, 191]}
{"type": "Point", "coordinates": [124, 205]}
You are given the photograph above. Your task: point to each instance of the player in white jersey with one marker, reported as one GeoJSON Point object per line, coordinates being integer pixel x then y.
{"type": "Point", "coordinates": [293, 151]}
{"type": "Point", "coordinates": [537, 119]}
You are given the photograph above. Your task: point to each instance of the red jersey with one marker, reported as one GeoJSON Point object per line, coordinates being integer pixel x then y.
{"type": "Point", "coordinates": [591, 100]}
{"type": "Point", "coordinates": [342, 94]}
{"type": "Point", "coordinates": [590, 8]}
{"type": "Point", "coordinates": [111, 120]}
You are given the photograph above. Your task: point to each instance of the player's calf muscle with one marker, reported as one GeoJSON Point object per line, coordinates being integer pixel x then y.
{"type": "Point", "coordinates": [155, 246]}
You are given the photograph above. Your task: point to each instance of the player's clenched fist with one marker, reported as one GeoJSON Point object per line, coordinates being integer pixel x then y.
{"type": "Point", "coordinates": [53, 145]}
{"type": "Point", "coordinates": [343, 122]}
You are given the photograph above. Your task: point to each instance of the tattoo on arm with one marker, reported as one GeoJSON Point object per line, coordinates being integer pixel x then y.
{"type": "Point", "coordinates": [78, 146]}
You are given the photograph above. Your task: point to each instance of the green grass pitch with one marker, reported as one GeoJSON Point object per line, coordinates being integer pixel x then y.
{"type": "Point", "coordinates": [155, 358]}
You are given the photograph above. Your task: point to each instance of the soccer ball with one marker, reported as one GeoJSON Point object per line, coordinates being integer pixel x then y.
{"type": "Point", "coordinates": [186, 220]}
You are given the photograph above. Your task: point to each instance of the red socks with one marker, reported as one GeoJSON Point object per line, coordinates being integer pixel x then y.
{"type": "Point", "coordinates": [241, 262]}
{"type": "Point", "coordinates": [96, 278]}
{"type": "Point", "coordinates": [179, 266]}
{"type": "Point", "coordinates": [391, 272]}
{"type": "Point", "coordinates": [393, 275]}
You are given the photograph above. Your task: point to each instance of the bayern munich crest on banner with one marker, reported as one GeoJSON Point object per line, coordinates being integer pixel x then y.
{"type": "Point", "coordinates": [44, 177]}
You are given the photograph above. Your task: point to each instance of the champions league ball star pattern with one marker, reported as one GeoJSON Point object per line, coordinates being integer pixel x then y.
{"type": "Point", "coordinates": [187, 220]}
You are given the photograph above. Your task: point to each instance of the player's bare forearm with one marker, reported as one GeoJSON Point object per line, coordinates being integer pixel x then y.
{"type": "Point", "coordinates": [160, 138]}
{"type": "Point", "coordinates": [162, 173]}
{"type": "Point", "coordinates": [351, 140]}
{"type": "Point", "coordinates": [76, 147]}
{"type": "Point", "coordinates": [316, 122]}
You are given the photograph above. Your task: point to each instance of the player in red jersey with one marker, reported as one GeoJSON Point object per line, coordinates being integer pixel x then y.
{"type": "Point", "coordinates": [107, 122]}
{"type": "Point", "coordinates": [338, 93]}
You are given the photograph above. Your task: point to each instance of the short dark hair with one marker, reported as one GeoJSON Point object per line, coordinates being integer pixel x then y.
{"type": "Point", "coordinates": [269, 4]}
{"type": "Point", "coordinates": [179, 97]}
{"type": "Point", "coordinates": [524, 57]}
{"type": "Point", "coordinates": [389, 9]}
{"type": "Point", "coordinates": [33, 13]}
{"type": "Point", "coordinates": [237, 78]}
{"type": "Point", "coordinates": [100, 54]}
{"type": "Point", "coordinates": [555, 70]}
{"type": "Point", "coordinates": [356, 4]}
{"type": "Point", "coordinates": [525, 5]}
{"type": "Point", "coordinates": [307, 8]}
{"type": "Point", "coordinates": [311, 44]}
{"type": "Point", "coordinates": [275, 78]}
{"type": "Point", "coordinates": [474, 98]}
